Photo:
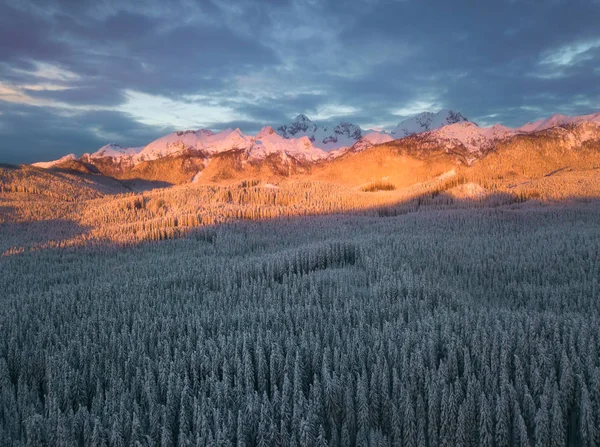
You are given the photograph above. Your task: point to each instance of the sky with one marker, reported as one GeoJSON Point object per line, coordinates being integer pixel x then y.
{"type": "Point", "coordinates": [78, 74]}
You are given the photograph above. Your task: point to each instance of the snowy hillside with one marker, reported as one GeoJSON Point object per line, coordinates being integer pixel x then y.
{"type": "Point", "coordinates": [559, 120]}
{"type": "Point", "coordinates": [474, 138]}
{"type": "Point", "coordinates": [427, 121]}
{"type": "Point", "coordinates": [477, 139]}
{"type": "Point", "coordinates": [268, 142]}
{"type": "Point", "coordinates": [201, 140]}
{"type": "Point", "coordinates": [115, 151]}
{"type": "Point", "coordinates": [51, 164]}
{"type": "Point", "coordinates": [371, 139]}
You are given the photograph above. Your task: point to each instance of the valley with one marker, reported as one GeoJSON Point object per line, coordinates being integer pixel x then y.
{"type": "Point", "coordinates": [435, 289]}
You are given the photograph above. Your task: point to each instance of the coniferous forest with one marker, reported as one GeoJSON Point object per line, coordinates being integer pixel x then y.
{"type": "Point", "coordinates": [187, 259]}
{"type": "Point", "coordinates": [439, 328]}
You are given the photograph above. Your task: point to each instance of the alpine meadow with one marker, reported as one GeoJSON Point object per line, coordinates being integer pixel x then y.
{"type": "Point", "coordinates": [391, 272]}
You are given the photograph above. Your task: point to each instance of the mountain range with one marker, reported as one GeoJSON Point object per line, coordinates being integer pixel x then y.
{"type": "Point", "coordinates": [302, 139]}
{"type": "Point", "coordinates": [181, 157]}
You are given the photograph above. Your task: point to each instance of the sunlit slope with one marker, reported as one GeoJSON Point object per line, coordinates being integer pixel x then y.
{"type": "Point", "coordinates": [386, 162]}
{"type": "Point", "coordinates": [63, 183]}
{"type": "Point", "coordinates": [481, 157]}
{"type": "Point", "coordinates": [550, 164]}
{"type": "Point", "coordinates": [235, 167]}
{"type": "Point", "coordinates": [405, 176]}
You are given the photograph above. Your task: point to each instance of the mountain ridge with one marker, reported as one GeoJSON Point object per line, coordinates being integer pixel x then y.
{"type": "Point", "coordinates": [427, 121]}
{"type": "Point", "coordinates": [294, 145]}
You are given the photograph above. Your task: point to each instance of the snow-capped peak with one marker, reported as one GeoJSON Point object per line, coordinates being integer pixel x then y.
{"type": "Point", "coordinates": [474, 138]}
{"type": "Point", "coordinates": [201, 140]}
{"type": "Point", "coordinates": [267, 142]}
{"type": "Point", "coordinates": [559, 120]}
{"type": "Point", "coordinates": [302, 118]}
{"type": "Point", "coordinates": [51, 164]}
{"type": "Point", "coordinates": [305, 140]}
{"type": "Point", "coordinates": [427, 121]}
{"type": "Point", "coordinates": [300, 126]}
{"type": "Point", "coordinates": [267, 130]}
{"type": "Point", "coordinates": [348, 130]}
{"type": "Point", "coordinates": [115, 151]}
{"type": "Point", "coordinates": [343, 135]}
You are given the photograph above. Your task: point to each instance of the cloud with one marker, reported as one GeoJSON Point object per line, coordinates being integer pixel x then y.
{"type": "Point", "coordinates": [154, 65]}
{"type": "Point", "coordinates": [88, 97]}
{"type": "Point", "coordinates": [155, 110]}
{"type": "Point", "coordinates": [571, 54]}
{"type": "Point", "coordinates": [31, 133]}
{"type": "Point", "coordinates": [47, 71]}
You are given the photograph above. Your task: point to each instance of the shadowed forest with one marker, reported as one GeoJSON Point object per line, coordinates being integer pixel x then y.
{"type": "Point", "coordinates": [188, 260]}
{"type": "Point", "coordinates": [440, 305]}
{"type": "Point", "coordinates": [475, 326]}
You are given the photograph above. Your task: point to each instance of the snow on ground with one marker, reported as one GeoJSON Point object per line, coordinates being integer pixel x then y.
{"type": "Point", "coordinates": [268, 142]}
{"type": "Point", "coordinates": [201, 140]}
{"type": "Point", "coordinates": [559, 120]}
{"type": "Point", "coordinates": [50, 164]}
{"type": "Point", "coordinates": [427, 121]}
{"type": "Point", "coordinates": [468, 191]}
{"type": "Point", "coordinates": [196, 177]}
{"type": "Point", "coordinates": [371, 139]}
{"type": "Point", "coordinates": [327, 138]}
{"type": "Point", "coordinates": [470, 135]}
{"type": "Point", "coordinates": [306, 141]}
{"type": "Point", "coordinates": [115, 151]}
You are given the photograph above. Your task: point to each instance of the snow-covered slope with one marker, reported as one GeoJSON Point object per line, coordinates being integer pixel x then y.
{"type": "Point", "coordinates": [474, 138]}
{"type": "Point", "coordinates": [268, 142]}
{"type": "Point", "coordinates": [326, 138]}
{"type": "Point", "coordinates": [51, 164]}
{"type": "Point", "coordinates": [371, 139]}
{"type": "Point", "coordinates": [559, 120]}
{"type": "Point", "coordinates": [115, 151]}
{"type": "Point", "coordinates": [201, 140]}
{"type": "Point", "coordinates": [306, 141]}
{"type": "Point", "coordinates": [427, 121]}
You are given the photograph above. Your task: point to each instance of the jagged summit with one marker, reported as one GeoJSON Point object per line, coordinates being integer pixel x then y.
{"type": "Point", "coordinates": [265, 131]}
{"type": "Point", "coordinates": [427, 121]}
{"type": "Point", "coordinates": [559, 120]}
{"type": "Point", "coordinates": [348, 130]}
{"type": "Point", "coordinates": [343, 135]}
{"type": "Point", "coordinates": [301, 118]}
{"type": "Point", "coordinates": [305, 141]}
{"type": "Point", "coordinates": [114, 150]}
{"type": "Point", "coordinates": [300, 126]}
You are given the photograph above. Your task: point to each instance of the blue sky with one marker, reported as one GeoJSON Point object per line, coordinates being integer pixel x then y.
{"type": "Point", "coordinates": [77, 74]}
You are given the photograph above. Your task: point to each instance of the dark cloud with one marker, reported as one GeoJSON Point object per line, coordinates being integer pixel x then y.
{"type": "Point", "coordinates": [23, 35]}
{"type": "Point", "coordinates": [101, 94]}
{"type": "Point", "coordinates": [32, 134]}
{"type": "Point", "coordinates": [508, 61]}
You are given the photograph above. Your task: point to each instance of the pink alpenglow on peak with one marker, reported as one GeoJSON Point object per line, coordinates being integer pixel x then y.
{"type": "Point", "coordinates": [268, 142]}
{"type": "Point", "coordinates": [304, 140]}
{"type": "Point", "coordinates": [323, 137]}
{"type": "Point", "coordinates": [115, 151]}
{"type": "Point", "coordinates": [470, 135]}
{"type": "Point", "coordinates": [200, 140]}
{"type": "Point", "coordinates": [51, 164]}
{"type": "Point", "coordinates": [427, 121]}
{"type": "Point", "coordinates": [371, 139]}
{"type": "Point", "coordinates": [559, 120]}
